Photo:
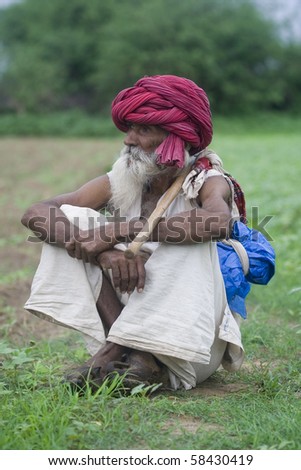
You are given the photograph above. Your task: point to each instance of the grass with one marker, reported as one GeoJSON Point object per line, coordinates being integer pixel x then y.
{"type": "Point", "coordinates": [255, 408]}
{"type": "Point", "coordinates": [73, 123]}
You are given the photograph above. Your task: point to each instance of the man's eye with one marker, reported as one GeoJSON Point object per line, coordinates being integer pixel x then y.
{"type": "Point", "coordinates": [144, 129]}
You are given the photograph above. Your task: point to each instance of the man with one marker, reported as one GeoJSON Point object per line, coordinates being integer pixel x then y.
{"type": "Point", "coordinates": [161, 317]}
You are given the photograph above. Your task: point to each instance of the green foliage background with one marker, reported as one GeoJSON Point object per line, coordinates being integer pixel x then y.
{"type": "Point", "coordinates": [64, 55]}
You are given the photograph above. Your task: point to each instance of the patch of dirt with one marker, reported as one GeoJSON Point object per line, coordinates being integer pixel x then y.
{"type": "Point", "coordinates": [20, 258]}
{"type": "Point", "coordinates": [218, 389]}
{"type": "Point", "coordinates": [189, 424]}
{"type": "Point", "coordinates": [16, 323]}
{"type": "Point", "coordinates": [214, 386]}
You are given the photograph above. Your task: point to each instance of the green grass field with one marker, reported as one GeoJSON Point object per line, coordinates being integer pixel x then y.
{"type": "Point", "coordinates": [255, 408]}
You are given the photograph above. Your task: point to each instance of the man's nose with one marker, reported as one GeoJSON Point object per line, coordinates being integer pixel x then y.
{"type": "Point", "coordinates": [131, 137]}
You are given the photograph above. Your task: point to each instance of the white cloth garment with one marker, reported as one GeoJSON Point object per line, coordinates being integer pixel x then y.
{"type": "Point", "coordinates": [182, 316]}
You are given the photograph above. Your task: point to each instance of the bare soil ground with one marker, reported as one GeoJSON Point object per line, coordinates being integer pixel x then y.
{"type": "Point", "coordinates": [19, 325]}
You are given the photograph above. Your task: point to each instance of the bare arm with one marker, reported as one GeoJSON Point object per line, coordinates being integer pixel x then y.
{"type": "Point", "coordinates": [211, 221]}
{"type": "Point", "coordinates": [51, 225]}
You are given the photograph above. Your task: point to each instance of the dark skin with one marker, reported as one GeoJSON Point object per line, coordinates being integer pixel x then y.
{"type": "Point", "coordinates": [210, 221]}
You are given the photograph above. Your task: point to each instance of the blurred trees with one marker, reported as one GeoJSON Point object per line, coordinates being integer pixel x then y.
{"type": "Point", "coordinates": [56, 55]}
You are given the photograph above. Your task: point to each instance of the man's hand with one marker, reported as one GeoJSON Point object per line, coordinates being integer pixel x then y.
{"type": "Point", "coordinates": [127, 274]}
{"type": "Point", "coordinates": [88, 244]}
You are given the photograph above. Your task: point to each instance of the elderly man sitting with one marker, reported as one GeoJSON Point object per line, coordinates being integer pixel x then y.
{"type": "Point", "coordinates": [162, 316]}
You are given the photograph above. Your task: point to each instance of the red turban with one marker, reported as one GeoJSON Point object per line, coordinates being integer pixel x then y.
{"type": "Point", "coordinates": [175, 104]}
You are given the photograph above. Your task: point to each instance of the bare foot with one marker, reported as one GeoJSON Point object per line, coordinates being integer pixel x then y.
{"type": "Point", "coordinates": [109, 352]}
{"type": "Point", "coordinates": [136, 366]}
{"type": "Point", "coordinates": [140, 367]}
{"type": "Point", "coordinates": [95, 369]}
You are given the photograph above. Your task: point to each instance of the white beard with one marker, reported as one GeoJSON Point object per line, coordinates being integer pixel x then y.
{"type": "Point", "coordinates": [131, 172]}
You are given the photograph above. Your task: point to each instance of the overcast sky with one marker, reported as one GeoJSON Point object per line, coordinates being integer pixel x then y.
{"type": "Point", "coordinates": [281, 10]}
{"type": "Point", "coordinates": [288, 12]}
{"type": "Point", "coordinates": [5, 2]}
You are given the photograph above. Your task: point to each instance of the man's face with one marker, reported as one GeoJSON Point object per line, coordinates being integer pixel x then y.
{"type": "Point", "coordinates": [148, 138]}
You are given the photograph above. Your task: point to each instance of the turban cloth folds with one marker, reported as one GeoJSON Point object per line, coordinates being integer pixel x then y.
{"type": "Point", "coordinates": [175, 104]}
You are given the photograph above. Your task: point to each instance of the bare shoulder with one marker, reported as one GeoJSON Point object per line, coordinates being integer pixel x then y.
{"type": "Point", "coordinates": [215, 191]}
{"type": "Point", "coordinates": [215, 185]}
{"type": "Point", "coordinates": [94, 194]}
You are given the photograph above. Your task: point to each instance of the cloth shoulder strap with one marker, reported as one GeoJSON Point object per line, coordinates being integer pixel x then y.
{"type": "Point", "coordinates": [241, 252]}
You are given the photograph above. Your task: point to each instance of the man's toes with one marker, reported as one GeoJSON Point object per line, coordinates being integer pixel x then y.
{"type": "Point", "coordinates": [80, 378]}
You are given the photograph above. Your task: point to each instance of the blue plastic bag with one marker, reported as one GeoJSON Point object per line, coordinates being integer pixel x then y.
{"type": "Point", "coordinates": [262, 265]}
